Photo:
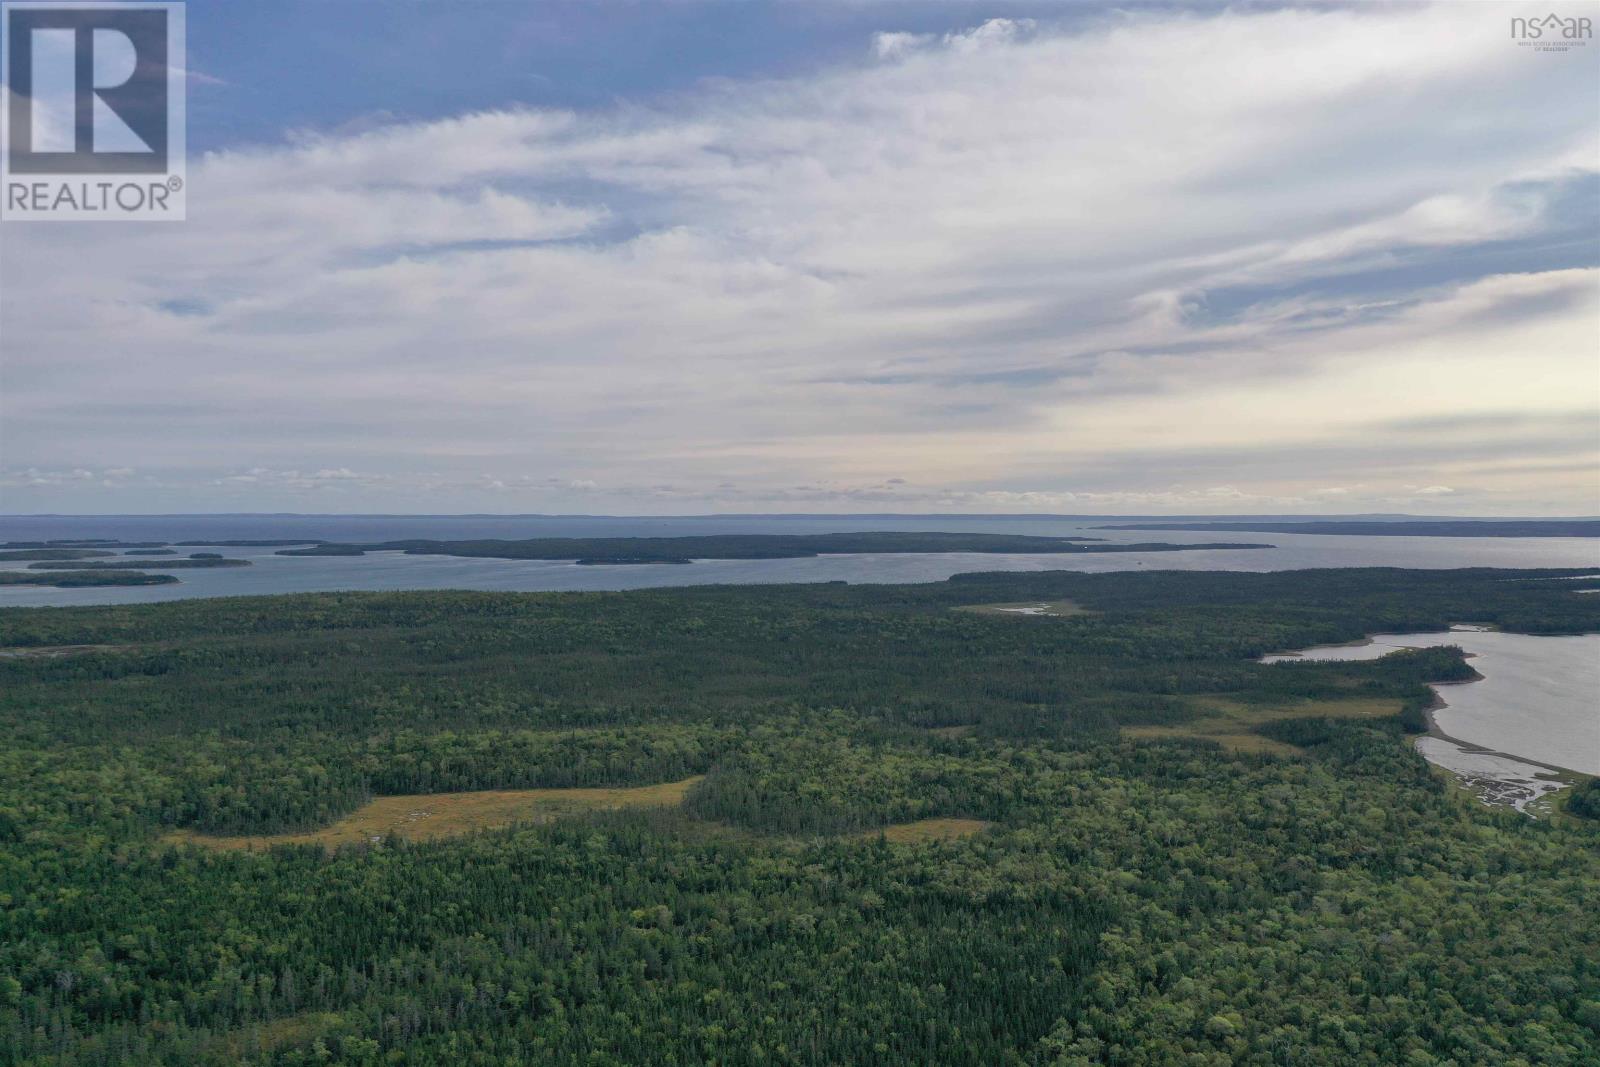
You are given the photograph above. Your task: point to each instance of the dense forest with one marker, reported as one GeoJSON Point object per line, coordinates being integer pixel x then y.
{"type": "Point", "coordinates": [1133, 900]}
{"type": "Point", "coordinates": [623, 550]}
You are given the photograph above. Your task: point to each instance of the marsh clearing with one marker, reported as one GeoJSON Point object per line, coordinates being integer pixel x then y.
{"type": "Point", "coordinates": [908, 833]}
{"type": "Point", "coordinates": [435, 816]}
{"type": "Point", "coordinates": [54, 651]}
{"type": "Point", "coordinates": [1054, 608]}
{"type": "Point", "coordinates": [429, 816]}
{"type": "Point", "coordinates": [1232, 724]}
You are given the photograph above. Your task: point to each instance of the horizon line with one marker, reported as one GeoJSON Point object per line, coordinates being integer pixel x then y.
{"type": "Point", "coordinates": [1196, 516]}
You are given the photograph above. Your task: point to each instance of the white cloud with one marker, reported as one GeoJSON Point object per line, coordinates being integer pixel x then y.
{"type": "Point", "coordinates": [1016, 266]}
{"type": "Point", "coordinates": [991, 34]}
{"type": "Point", "coordinates": [895, 45]}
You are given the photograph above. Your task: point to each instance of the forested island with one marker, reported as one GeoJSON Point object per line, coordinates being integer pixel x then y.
{"type": "Point", "coordinates": [67, 568]}
{"type": "Point", "coordinates": [634, 550]}
{"type": "Point", "coordinates": [103, 546]}
{"type": "Point", "coordinates": [822, 824]}
{"type": "Point", "coordinates": [68, 579]}
{"type": "Point", "coordinates": [195, 560]}
{"type": "Point", "coordinates": [1396, 528]}
{"type": "Point", "coordinates": [270, 542]}
{"type": "Point", "coordinates": [12, 555]}
{"type": "Point", "coordinates": [90, 543]}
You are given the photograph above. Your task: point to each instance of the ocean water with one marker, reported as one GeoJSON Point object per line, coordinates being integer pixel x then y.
{"type": "Point", "coordinates": [1539, 697]}
{"type": "Point", "coordinates": [272, 573]}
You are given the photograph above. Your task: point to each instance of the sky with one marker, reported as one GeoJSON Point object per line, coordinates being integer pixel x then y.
{"type": "Point", "coordinates": [676, 258]}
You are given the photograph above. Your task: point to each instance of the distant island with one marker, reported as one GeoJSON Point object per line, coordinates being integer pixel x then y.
{"type": "Point", "coordinates": [13, 555]}
{"type": "Point", "coordinates": [1407, 528]}
{"type": "Point", "coordinates": [199, 559]}
{"type": "Point", "coordinates": [72, 579]}
{"type": "Point", "coordinates": [129, 546]}
{"type": "Point", "coordinates": [616, 551]}
{"type": "Point", "coordinates": [79, 542]}
{"type": "Point", "coordinates": [267, 543]}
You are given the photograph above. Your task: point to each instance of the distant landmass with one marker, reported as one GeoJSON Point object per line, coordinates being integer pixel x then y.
{"type": "Point", "coordinates": [75, 579]}
{"type": "Point", "coordinates": [614, 551]}
{"type": "Point", "coordinates": [91, 543]}
{"type": "Point", "coordinates": [270, 542]}
{"type": "Point", "coordinates": [1441, 528]}
{"type": "Point", "coordinates": [11, 555]}
{"type": "Point", "coordinates": [194, 561]}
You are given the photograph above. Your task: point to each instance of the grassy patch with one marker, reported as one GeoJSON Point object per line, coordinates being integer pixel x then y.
{"type": "Point", "coordinates": [275, 1034]}
{"type": "Point", "coordinates": [929, 830]}
{"type": "Point", "coordinates": [1028, 608]}
{"type": "Point", "coordinates": [52, 651]}
{"type": "Point", "coordinates": [1232, 724]}
{"type": "Point", "coordinates": [428, 816]}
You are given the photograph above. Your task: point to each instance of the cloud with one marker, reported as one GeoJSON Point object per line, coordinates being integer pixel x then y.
{"type": "Point", "coordinates": [1018, 265]}
{"type": "Point", "coordinates": [895, 45]}
{"type": "Point", "coordinates": [995, 33]}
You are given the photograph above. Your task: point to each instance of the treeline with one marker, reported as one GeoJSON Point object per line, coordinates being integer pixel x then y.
{"type": "Point", "coordinates": [1585, 800]}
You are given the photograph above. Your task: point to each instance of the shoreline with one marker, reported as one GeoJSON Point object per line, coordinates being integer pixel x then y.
{"type": "Point", "coordinates": [1434, 731]}
{"type": "Point", "coordinates": [1500, 786]}
{"type": "Point", "coordinates": [1494, 790]}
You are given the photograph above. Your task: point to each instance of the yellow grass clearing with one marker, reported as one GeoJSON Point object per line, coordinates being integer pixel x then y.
{"type": "Point", "coordinates": [247, 1042]}
{"type": "Point", "coordinates": [427, 816]}
{"type": "Point", "coordinates": [929, 830]}
{"type": "Point", "coordinates": [1026, 609]}
{"type": "Point", "coordinates": [1231, 723]}
{"type": "Point", "coordinates": [1214, 730]}
{"type": "Point", "coordinates": [275, 1034]}
{"type": "Point", "coordinates": [52, 651]}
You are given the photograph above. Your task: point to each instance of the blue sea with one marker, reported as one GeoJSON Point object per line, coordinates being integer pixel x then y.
{"type": "Point", "coordinates": [272, 573]}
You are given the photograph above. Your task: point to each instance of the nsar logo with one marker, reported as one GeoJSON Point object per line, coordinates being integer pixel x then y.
{"type": "Point", "coordinates": [1552, 33]}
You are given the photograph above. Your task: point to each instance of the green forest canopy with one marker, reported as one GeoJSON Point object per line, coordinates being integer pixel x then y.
{"type": "Point", "coordinates": [1134, 902]}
